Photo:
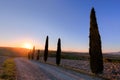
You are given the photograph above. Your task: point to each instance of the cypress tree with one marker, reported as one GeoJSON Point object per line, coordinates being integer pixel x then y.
{"type": "Point", "coordinates": [95, 50]}
{"type": "Point", "coordinates": [33, 51]}
{"type": "Point", "coordinates": [28, 55]}
{"type": "Point", "coordinates": [38, 54]}
{"type": "Point", "coordinates": [46, 50]}
{"type": "Point", "coordinates": [58, 53]}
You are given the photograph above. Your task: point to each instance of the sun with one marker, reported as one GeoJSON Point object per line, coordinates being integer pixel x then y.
{"type": "Point", "coordinates": [28, 46]}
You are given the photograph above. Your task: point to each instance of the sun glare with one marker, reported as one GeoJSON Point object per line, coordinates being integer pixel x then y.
{"type": "Point", "coordinates": [28, 46]}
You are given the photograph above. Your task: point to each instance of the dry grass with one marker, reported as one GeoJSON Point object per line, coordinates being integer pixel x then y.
{"type": "Point", "coordinates": [8, 70]}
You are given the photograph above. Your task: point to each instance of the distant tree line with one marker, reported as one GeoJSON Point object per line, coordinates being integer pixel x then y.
{"type": "Point", "coordinates": [36, 56]}
{"type": "Point", "coordinates": [95, 47]}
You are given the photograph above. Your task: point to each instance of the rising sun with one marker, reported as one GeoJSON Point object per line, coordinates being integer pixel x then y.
{"type": "Point", "coordinates": [28, 46]}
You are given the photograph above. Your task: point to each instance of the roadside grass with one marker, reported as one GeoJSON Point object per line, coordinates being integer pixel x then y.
{"type": "Point", "coordinates": [9, 68]}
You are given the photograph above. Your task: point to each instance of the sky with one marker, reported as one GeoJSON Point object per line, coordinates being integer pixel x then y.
{"type": "Point", "coordinates": [30, 21]}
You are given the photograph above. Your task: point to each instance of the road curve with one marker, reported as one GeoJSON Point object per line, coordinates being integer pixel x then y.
{"type": "Point", "coordinates": [33, 70]}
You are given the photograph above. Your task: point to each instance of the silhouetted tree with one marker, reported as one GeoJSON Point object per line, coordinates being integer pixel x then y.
{"type": "Point", "coordinates": [38, 54]}
{"type": "Point", "coordinates": [28, 55]}
{"type": "Point", "coordinates": [33, 52]}
{"type": "Point", "coordinates": [46, 50]}
{"type": "Point", "coordinates": [58, 53]}
{"type": "Point", "coordinates": [95, 51]}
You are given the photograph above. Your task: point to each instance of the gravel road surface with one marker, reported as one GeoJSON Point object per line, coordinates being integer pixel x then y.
{"type": "Point", "coordinates": [33, 70]}
{"type": "Point", "coordinates": [26, 70]}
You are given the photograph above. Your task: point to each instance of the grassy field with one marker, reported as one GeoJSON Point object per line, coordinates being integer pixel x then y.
{"type": "Point", "coordinates": [71, 55]}
{"type": "Point", "coordinates": [83, 56]}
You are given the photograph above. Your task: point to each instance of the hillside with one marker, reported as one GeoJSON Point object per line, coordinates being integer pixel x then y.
{"type": "Point", "coordinates": [13, 51]}
{"type": "Point", "coordinates": [19, 52]}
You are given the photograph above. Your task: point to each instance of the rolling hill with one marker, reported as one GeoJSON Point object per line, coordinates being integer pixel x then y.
{"type": "Point", "coordinates": [13, 51]}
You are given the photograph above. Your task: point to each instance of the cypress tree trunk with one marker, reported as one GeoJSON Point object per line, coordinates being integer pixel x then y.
{"type": "Point", "coordinates": [32, 54]}
{"type": "Point", "coordinates": [46, 50]}
{"type": "Point", "coordinates": [58, 53]}
{"type": "Point", "coordinates": [38, 54]}
{"type": "Point", "coordinates": [95, 51]}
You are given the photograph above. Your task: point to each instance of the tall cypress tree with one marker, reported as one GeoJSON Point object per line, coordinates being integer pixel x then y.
{"type": "Point", "coordinates": [95, 50]}
{"type": "Point", "coordinates": [46, 50]}
{"type": "Point", "coordinates": [28, 55]}
{"type": "Point", "coordinates": [58, 53]}
{"type": "Point", "coordinates": [33, 53]}
{"type": "Point", "coordinates": [38, 54]}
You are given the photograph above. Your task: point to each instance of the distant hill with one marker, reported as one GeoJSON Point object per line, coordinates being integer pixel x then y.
{"type": "Point", "coordinates": [13, 51]}
{"type": "Point", "coordinates": [22, 52]}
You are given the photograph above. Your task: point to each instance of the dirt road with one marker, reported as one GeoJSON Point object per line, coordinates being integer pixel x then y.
{"type": "Point", "coordinates": [33, 70]}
